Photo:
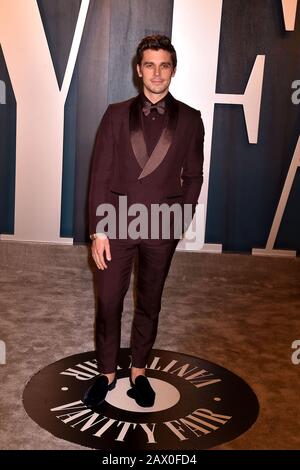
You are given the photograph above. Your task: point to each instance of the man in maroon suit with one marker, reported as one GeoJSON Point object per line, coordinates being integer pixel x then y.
{"type": "Point", "coordinates": [148, 150]}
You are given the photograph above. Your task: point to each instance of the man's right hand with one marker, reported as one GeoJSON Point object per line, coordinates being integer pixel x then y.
{"type": "Point", "coordinates": [99, 247]}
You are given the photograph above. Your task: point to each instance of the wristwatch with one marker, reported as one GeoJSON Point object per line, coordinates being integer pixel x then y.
{"type": "Point", "coordinates": [102, 236]}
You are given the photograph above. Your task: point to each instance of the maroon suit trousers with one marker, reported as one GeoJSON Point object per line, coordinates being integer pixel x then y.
{"type": "Point", "coordinates": [154, 259]}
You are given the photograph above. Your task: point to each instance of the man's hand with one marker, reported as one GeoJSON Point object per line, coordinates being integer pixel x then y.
{"type": "Point", "coordinates": [100, 246]}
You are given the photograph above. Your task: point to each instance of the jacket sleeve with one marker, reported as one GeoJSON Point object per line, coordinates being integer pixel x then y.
{"type": "Point", "coordinates": [101, 169]}
{"type": "Point", "coordinates": [192, 169]}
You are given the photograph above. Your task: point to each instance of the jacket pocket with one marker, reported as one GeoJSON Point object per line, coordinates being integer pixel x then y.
{"type": "Point", "coordinates": [118, 193]}
{"type": "Point", "coordinates": [173, 196]}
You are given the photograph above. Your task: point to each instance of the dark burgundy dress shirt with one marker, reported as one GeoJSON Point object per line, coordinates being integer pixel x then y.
{"type": "Point", "coordinates": [153, 124]}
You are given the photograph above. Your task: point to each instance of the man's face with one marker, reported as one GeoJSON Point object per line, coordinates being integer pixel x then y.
{"type": "Point", "coordinates": [156, 70]}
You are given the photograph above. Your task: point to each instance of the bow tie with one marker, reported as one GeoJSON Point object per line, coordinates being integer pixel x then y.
{"type": "Point", "coordinates": [147, 108]}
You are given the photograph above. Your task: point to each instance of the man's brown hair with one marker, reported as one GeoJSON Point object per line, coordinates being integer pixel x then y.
{"type": "Point", "coordinates": [156, 42]}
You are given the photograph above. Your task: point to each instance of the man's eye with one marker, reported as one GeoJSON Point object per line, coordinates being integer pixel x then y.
{"type": "Point", "coordinates": [149, 66]}
{"type": "Point", "coordinates": [165, 66]}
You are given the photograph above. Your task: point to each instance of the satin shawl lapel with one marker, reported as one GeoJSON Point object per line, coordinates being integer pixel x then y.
{"type": "Point", "coordinates": [138, 143]}
{"type": "Point", "coordinates": [136, 133]}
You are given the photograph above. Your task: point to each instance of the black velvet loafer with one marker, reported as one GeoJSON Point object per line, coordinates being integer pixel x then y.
{"type": "Point", "coordinates": [95, 395]}
{"type": "Point", "coordinates": [141, 391]}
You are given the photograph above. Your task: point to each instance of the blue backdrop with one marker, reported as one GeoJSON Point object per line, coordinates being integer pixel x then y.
{"type": "Point", "coordinates": [246, 180]}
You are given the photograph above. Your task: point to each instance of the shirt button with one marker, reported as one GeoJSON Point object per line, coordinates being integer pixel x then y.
{"type": "Point", "coordinates": [153, 119]}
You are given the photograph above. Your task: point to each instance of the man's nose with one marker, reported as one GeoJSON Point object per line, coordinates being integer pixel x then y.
{"type": "Point", "coordinates": [157, 70]}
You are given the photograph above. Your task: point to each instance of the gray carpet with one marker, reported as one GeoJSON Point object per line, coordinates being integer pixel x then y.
{"type": "Point", "coordinates": [239, 311]}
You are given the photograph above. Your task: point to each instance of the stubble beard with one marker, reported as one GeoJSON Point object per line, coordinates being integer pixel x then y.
{"type": "Point", "coordinates": [157, 90]}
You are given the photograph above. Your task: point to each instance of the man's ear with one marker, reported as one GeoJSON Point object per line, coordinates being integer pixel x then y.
{"type": "Point", "coordinates": [138, 68]}
{"type": "Point", "coordinates": [174, 71]}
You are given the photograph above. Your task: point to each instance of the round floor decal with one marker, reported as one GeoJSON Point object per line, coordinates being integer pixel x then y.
{"type": "Point", "coordinates": [198, 404]}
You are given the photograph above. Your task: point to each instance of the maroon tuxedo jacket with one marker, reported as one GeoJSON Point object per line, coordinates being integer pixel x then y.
{"type": "Point", "coordinates": [121, 166]}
